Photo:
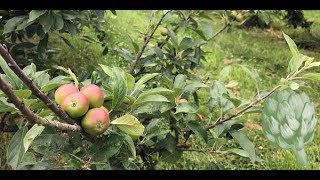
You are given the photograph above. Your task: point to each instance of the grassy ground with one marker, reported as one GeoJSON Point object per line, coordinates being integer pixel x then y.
{"type": "Point", "coordinates": [264, 50]}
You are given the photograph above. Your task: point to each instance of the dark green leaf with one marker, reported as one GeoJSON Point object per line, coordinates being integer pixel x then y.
{"type": "Point", "coordinates": [46, 22]}
{"type": "Point", "coordinates": [34, 14]}
{"type": "Point", "coordinates": [222, 128]}
{"type": "Point", "coordinates": [186, 108]}
{"type": "Point", "coordinates": [245, 143]}
{"type": "Point", "coordinates": [114, 12]}
{"type": "Point", "coordinates": [106, 147]}
{"type": "Point", "coordinates": [58, 22]}
{"type": "Point", "coordinates": [43, 43]}
{"type": "Point", "coordinates": [172, 158]}
{"type": "Point", "coordinates": [27, 160]}
{"type": "Point", "coordinates": [70, 27]}
{"type": "Point", "coordinates": [50, 144]}
{"type": "Point", "coordinates": [68, 43]}
{"type": "Point", "coordinates": [12, 23]}
{"type": "Point", "coordinates": [130, 144]}
{"type": "Point", "coordinates": [105, 51]}
{"type": "Point", "coordinates": [119, 87]}
{"type": "Point", "coordinates": [158, 52]}
{"type": "Point", "coordinates": [198, 129]}
{"type": "Point", "coordinates": [174, 38]}
{"type": "Point", "coordinates": [207, 27]}
{"type": "Point", "coordinates": [125, 54]}
{"type": "Point", "coordinates": [15, 149]}
{"type": "Point", "coordinates": [35, 131]}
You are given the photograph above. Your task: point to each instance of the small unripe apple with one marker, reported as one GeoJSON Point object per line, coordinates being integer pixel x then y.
{"type": "Point", "coordinates": [64, 91]}
{"type": "Point", "coordinates": [94, 94]}
{"type": "Point", "coordinates": [164, 31]}
{"type": "Point", "coordinates": [75, 105]}
{"type": "Point", "coordinates": [96, 121]}
{"type": "Point", "coordinates": [239, 17]}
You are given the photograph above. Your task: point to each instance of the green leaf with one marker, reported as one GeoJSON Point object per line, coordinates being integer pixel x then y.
{"type": "Point", "coordinates": [312, 76]}
{"type": "Point", "coordinates": [68, 43]}
{"type": "Point", "coordinates": [119, 87]}
{"type": "Point", "coordinates": [174, 38]}
{"type": "Point", "coordinates": [222, 128]}
{"type": "Point", "coordinates": [46, 22]}
{"type": "Point", "coordinates": [190, 88]}
{"type": "Point", "coordinates": [54, 83]}
{"type": "Point", "coordinates": [35, 131]}
{"type": "Point", "coordinates": [34, 14]}
{"type": "Point", "coordinates": [50, 144]}
{"type": "Point", "coordinates": [130, 81]}
{"type": "Point", "coordinates": [125, 54]}
{"type": "Point", "coordinates": [158, 52]}
{"type": "Point", "coordinates": [186, 108]}
{"type": "Point", "coordinates": [225, 72]}
{"type": "Point", "coordinates": [239, 152]}
{"type": "Point", "coordinates": [135, 45]}
{"type": "Point", "coordinates": [106, 147]}
{"type": "Point", "coordinates": [23, 93]}
{"type": "Point", "coordinates": [17, 83]}
{"type": "Point", "coordinates": [28, 159]}
{"type": "Point", "coordinates": [150, 108]}
{"type": "Point", "coordinates": [148, 99]}
{"type": "Point", "coordinates": [129, 124]}
{"type": "Point", "coordinates": [16, 149]}
{"type": "Point", "coordinates": [159, 90]}
{"type": "Point", "coordinates": [217, 89]}
{"type": "Point", "coordinates": [43, 43]}
{"type": "Point", "coordinates": [58, 22]}
{"type": "Point", "coordinates": [146, 78]}
{"type": "Point", "coordinates": [130, 144]}
{"type": "Point", "coordinates": [245, 143]}
{"type": "Point", "coordinates": [180, 81]}
{"type": "Point", "coordinates": [207, 27]}
{"type": "Point", "coordinates": [106, 69]}
{"type": "Point", "coordinates": [292, 45]}
{"type": "Point", "coordinates": [5, 106]}
{"type": "Point", "coordinates": [172, 158]}
{"type": "Point", "coordinates": [297, 58]}
{"type": "Point", "coordinates": [12, 23]}
{"type": "Point", "coordinates": [251, 72]}
{"type": "Point", "coordinates": [198, 129]}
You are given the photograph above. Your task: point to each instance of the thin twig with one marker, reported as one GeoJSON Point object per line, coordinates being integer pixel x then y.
{"type": "Point", "coordinates": [200, 150]}
{"type": "Point", "coordinates": [219, 121]}
{"type": "Point", "coordinates": [31, 116]}
{"type": "Point", "coordinates": [136, 60]}
{"type": "Point", "coordinates": [35, 90]}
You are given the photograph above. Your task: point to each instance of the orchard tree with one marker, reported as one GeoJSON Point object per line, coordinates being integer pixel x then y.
{"type": "Point", "coordinates": [134, 118]}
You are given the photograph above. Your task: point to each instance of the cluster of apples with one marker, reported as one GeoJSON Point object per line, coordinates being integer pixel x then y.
{"type": "Point", "coordinates": [87, 104]}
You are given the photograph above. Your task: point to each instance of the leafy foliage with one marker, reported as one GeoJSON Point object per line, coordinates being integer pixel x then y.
{"type": "Point", "coordinates": [156, 111]}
